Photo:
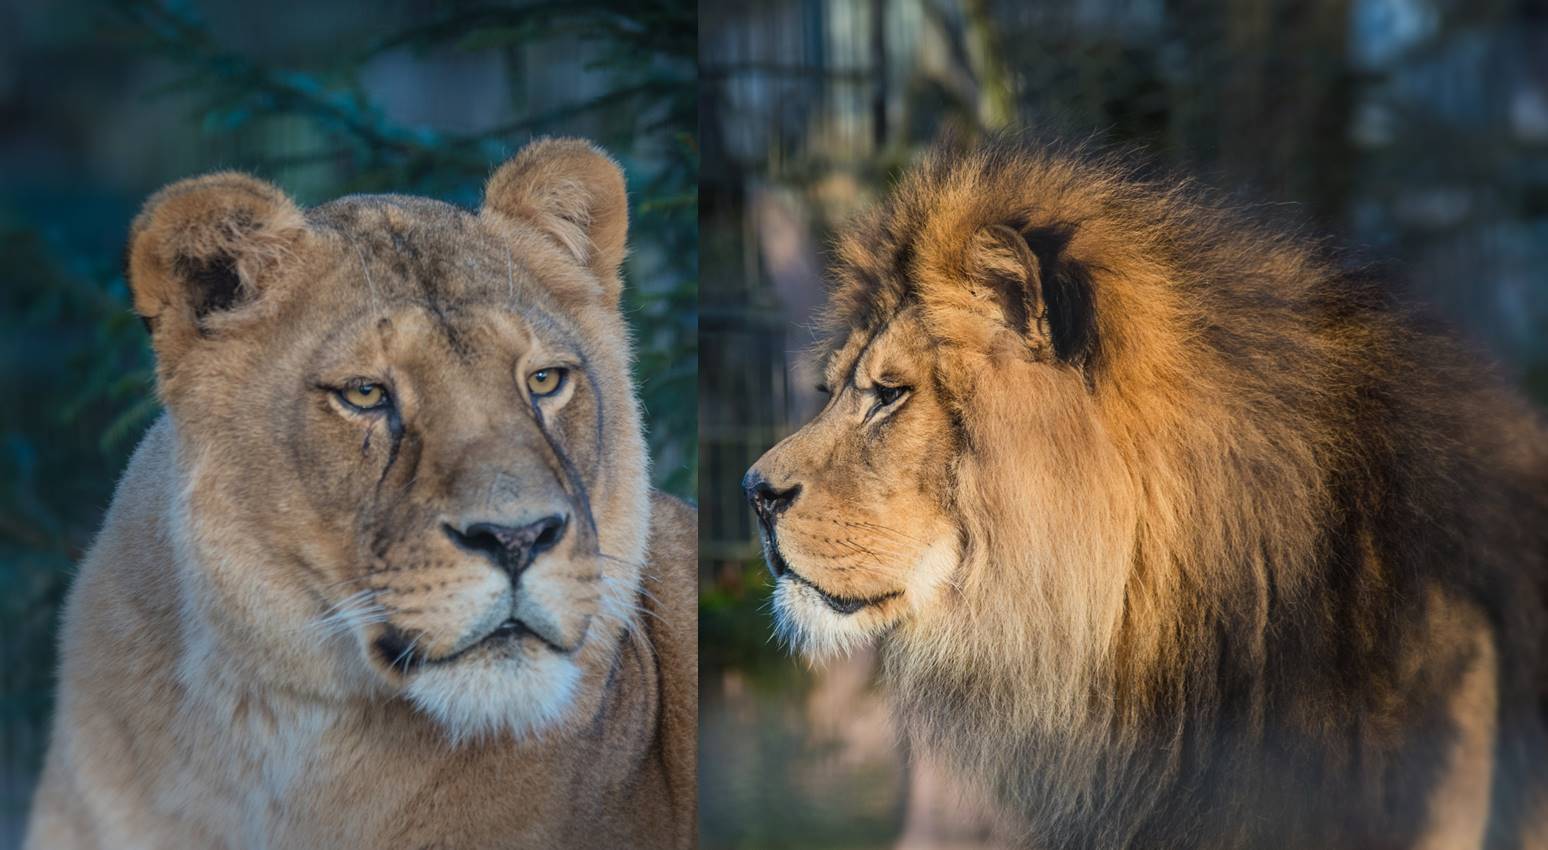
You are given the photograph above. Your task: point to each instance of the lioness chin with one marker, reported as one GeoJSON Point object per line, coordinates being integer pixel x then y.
{"type": "Point", "coordinates": [1172, 532]}
{"type": "Point", "coordinates": [389, 572]}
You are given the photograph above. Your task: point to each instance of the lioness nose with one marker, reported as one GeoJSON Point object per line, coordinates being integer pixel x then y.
{"type": "Point", "coordinates": [766, 499]}
{"type": "Point", "coordinates": [512, 548]}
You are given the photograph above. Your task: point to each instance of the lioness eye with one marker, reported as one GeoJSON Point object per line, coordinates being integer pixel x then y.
{"type": "Point", "coordinates": [545, 382]}
{"type": "Point", "coordinates": [886, 395]}
{"type": "Point", "coordinates": [364, 396]}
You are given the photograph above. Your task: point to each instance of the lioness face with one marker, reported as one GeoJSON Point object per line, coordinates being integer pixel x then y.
{"type": "Point", "coordinates": [413, 456]}
{"type": "Point", "coordinates": [855, 506]}
{"type": "Point", "coordinates": [445, 455]}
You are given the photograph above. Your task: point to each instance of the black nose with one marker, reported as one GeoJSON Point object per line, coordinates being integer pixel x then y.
{"type": "Point", "coordinates": [512, 548]}
{"type": "Point", "coordinates": [767, 500]}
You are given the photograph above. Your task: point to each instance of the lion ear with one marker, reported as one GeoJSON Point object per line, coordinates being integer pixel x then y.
{"type": "Point", "coordinates": [205, 247]}
{"type": "Point", "coordinates": [1027, 277]}
{"type": "Point", "coordinates": [574, 194]}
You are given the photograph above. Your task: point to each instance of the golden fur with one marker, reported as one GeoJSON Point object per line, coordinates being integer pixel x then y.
{"type": "Point", "coordinates": [1173, 533]}
{"type": "Point", "coordinates": [454, 618]}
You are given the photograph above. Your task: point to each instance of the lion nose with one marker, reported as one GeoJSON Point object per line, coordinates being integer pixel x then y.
{"type": "Point", "coordinates": [767, 500]}
{"type": "Point", "coordinates": [511, 547]}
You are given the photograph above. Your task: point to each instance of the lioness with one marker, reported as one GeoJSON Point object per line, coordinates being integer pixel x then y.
{"type": "Point", "coordinates": [1172, 533]}
{"type": "Point", "coordinates": [389, 572]}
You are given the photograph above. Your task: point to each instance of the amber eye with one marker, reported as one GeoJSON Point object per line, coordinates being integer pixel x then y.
{"type": "Point", "coordinates": [364, 396]}
{"type": "Point", "coordinates": [545, 382]}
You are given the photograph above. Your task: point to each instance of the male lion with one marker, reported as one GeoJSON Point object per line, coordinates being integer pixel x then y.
{"type": "Point", "coordinates": [1172, 534]}
{"type": "Point", "coordinates": [389, 572]}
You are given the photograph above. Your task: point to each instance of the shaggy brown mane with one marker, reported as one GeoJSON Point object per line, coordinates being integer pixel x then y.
{"type": "Point", "coordinates": [1242, 623]}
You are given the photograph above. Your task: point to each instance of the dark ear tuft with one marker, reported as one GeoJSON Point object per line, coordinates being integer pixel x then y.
{"type": "Point", "coordinates": [1026, 278]}
{"type": "Point", "coordinates": [1068, 299]}
{"type": "Point", "coordinates": [215, 284]}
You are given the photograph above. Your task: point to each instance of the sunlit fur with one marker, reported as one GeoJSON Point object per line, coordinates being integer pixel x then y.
{"type": "Point", "coordinates": [282, 637]}
{"type": "Point", "coordinates": [1219, 560]}
{"type": "Point", "coordinates": [807, 625]}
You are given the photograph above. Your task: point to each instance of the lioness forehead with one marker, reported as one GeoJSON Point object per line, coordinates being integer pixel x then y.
{"type": "Point", "coordinates": [422, 248]}
{"type": "Point", "coordinates": [385, 253]}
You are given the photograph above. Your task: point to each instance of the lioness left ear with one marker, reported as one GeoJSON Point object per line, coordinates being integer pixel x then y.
{"type": "Point", "coordinates": [1037, 289]}
{"type": "Point", "coordinates": [575, 195]}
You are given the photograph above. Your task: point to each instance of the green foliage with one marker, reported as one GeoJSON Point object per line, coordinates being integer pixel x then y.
{"type": "Point", "coordinates": [76, 368]}
{"type": "Point", "coordinates": [734, 625]}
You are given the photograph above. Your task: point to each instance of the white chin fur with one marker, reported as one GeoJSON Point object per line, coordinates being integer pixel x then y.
{"type": "Point", "coordinates": [487, 697]}
{"type": "Point", "coordinates": [806, 624]}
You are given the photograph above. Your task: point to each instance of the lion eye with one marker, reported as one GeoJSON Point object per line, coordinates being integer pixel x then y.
{"type": "Point", "coordinates": [886, 395]}
{"type": "Point", "coordinates": [364, 396]}
{"type": "Point", "coordinates": [545, 382]}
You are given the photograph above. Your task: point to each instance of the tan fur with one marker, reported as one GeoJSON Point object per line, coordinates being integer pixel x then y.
{"type": "Point", "coordinates": [1092, 537]}
{"type": "Point", "coordinates": [231, 668]}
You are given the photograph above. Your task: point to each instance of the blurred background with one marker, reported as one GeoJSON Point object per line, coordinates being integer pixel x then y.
{"type": "Point", "coordinates": [1415, 131]}
{"type": "Point", "coordinates": [102, 103]}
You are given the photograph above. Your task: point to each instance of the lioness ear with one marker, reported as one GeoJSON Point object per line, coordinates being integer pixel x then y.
{"type": "Point", "coordinates": [1037, 289]}
{"type": "Point", "coordinates": [574, 194]}
{"type": "Point", "coordinates": [204, 247]}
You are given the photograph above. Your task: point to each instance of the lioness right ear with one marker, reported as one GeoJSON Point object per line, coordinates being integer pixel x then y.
{"type": "Point", "coordinates": [575, 195]}
{"type": "Point", "coordinates": [204, 247]}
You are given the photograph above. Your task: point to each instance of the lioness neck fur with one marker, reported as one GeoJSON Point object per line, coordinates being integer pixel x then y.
{"type": "Point", "coordinates": [1173, 533]}
{"type": "Point", "coordinates": [388, 573]}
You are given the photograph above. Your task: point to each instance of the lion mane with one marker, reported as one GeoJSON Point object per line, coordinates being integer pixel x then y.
{"type": "Point", "coordinates": [1275, 579]}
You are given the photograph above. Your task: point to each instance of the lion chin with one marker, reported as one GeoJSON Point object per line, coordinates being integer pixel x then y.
{"type": "Point", "coordinates": [823, 626]}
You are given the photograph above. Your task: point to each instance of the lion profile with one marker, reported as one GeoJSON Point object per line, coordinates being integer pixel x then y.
{"type": "Point", "coordinates": [389, 573]}
{"type": "Point", "coordinates": [1173, 532]}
